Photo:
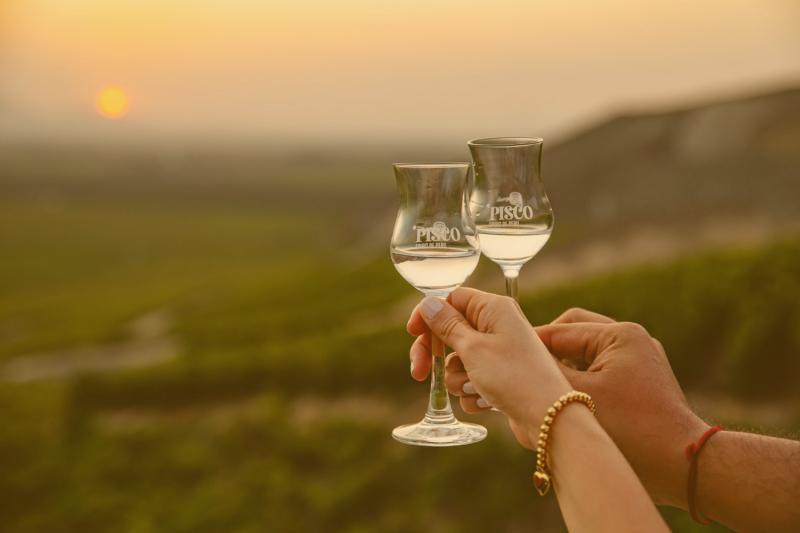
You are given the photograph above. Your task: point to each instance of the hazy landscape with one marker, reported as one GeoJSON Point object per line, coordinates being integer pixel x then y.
{"type": "Point", "coordinates": [199, 338]}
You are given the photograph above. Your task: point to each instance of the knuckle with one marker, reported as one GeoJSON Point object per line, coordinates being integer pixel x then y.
{"type": "Point", "coordinates": [449, 325]}
{"type": "Point", "coordinates": [453, 386]}
{"type": "Point", "coordinates": [632, 330]}
{"type": "Point", "coordinates": [496, 300]}
{"type": "Point", "coordinates": [508, 301]}
{"type": "Point", "coordinates": [489, 297]}
{"type": "Point", "coordinates": [572, 314]}
{"type": "Point", "coordinates": [468, 405]}
{"type": "Point", "coordinates": [451, 361]}
{"type": "Point", "coordinates": [658, 344]}
{"type": "Point", "coordinates": [454, 378]}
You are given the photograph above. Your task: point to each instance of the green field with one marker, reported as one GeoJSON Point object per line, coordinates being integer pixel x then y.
{"type": "Point", "coordinates": [290, 365]}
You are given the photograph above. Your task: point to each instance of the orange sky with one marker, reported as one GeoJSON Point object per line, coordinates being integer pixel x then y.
{"type": "Point", "coordinates": [431, 70]}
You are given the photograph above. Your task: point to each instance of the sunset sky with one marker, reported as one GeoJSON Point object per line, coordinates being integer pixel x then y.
{"type": "Point", "coordinates": [347, 70]}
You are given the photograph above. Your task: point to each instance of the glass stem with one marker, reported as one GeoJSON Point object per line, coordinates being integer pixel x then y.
{"type": "Point", "coordinates": [511, 283]}
{"type": "Point", "coordinates": [439, 410]}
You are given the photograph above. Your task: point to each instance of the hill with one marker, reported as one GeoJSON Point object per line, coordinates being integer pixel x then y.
{"type": "Point", "coordinates": [738, 159]}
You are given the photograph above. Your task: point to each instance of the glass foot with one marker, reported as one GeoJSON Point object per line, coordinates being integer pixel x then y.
{"type": "Point", "coordinates": [428, 433]}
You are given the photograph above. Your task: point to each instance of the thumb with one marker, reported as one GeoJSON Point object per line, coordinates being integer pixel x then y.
{"type": "Point", "coordinates": [581, 341]}
{"type": "Point", "coordinates": [446, 323]}
{"type": "Point", "coordinates": [579, 379]}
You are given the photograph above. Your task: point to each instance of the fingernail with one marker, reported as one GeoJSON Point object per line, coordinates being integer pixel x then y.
{"type": "Point", "coordinates": [431, 306]}
{"type": "Point", "coordinates": [468, 388]}
{"type": "Point", "coordinates": [412, 368]}
{"type": "Point", "coordinates": [482, 403]}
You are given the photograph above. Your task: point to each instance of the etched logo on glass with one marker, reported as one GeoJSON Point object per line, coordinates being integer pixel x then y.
{"type": "Point", "coordinates": [436, 235]}
{"type": "Point", "coordinates": [512, 213]}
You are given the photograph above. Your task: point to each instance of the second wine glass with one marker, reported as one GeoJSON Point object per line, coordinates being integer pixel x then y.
{"type": "Point", "coordinates": [508, 202]}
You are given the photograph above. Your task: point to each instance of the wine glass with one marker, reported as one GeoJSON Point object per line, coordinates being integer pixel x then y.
{"type": "Point", "coordinates": [508, 202]}
{"type": "Point", "coordinates": [435, 249]}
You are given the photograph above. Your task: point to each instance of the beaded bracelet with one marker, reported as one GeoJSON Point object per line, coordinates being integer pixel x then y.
{"type": "Point", "coordinates": [541, 477]}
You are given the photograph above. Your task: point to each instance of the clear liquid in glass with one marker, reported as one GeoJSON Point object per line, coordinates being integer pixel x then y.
{"type": "Point", "coordinates": [512, 244]}
{"type": "Point", "coordinates": [435, 270]}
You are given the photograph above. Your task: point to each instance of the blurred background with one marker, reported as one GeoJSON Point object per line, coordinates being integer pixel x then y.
{"type": "Point", "coordinates": [200, 327]}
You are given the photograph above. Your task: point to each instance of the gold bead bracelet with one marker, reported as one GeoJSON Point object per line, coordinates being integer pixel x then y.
{"type": "Point", "coordinates": [541, 477]}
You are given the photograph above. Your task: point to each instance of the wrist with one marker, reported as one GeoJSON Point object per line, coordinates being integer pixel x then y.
{"type": "Point", "coordinates": [565, 425]}
{"type": "Point", "coordinates": [537, 407]}
{"type": "Point", "coordinates": [537, 413]}
{"type": "Point", "coordinates": [670, 487]}
{"type": "Point", "coordinates": [576, 423]}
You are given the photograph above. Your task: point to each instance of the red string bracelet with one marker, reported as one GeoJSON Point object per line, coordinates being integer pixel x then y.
{"type": "Point", "coordinates": [692, 452]}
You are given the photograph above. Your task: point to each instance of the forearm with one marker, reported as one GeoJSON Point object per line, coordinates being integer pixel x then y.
{"type": "Point", "coordinates": [750, 482]}
{"type": "Point", "coordinates": [597, 489]}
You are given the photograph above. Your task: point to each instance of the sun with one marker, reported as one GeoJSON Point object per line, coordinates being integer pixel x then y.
{"type": "Point", "coordinates": [112, 102]}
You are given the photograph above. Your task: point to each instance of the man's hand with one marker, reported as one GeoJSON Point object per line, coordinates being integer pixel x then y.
{"type": "Point", "coordinates": [639, 401]}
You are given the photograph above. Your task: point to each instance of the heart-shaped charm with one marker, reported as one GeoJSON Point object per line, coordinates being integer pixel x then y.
{"type": "Point", "coordinates": [542, 482]}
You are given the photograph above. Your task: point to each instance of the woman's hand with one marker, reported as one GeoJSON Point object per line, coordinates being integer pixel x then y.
{"type": "Point", "coordinates": [499, 360]}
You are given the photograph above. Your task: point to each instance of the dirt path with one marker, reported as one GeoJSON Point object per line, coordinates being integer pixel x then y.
{"type": "Point", "coordinates": [150, 343]}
